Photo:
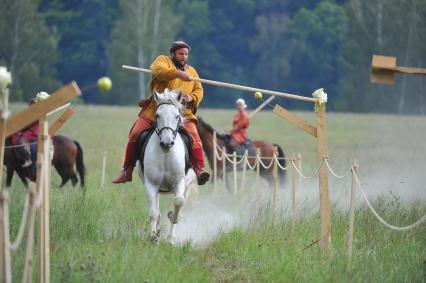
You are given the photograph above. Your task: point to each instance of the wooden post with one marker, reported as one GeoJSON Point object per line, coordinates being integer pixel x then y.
{"type": "Point", "coordinates": [258, 155]}
{"type": "Point", "coordinates": [3, 125]}
{"type": "Point", "coordinates": [5, 266]}
{"type": "Point", "coordinates": [274, 189]}
{"type": "Point", "coordinates": [103, 169]}
{"type": "Point", "coordinates": [352, 215]}
{"type": "Point", "coordinates": [293, 199]}
{"type": "Point", "coordinates": [243, 175]}
{"type": "Point", "coordinates": [46, 203]}
{"type": "Point", "coordinates": [325, 241]}
{"type": "Point", "coordinates": [234, 169]}
{"type": "Point", "coordinates": [224, 165]}
{"type": "Point", "coordinates": [60, 121]}
{"type": "Point", "coordinates": [214, 161]}
{"type": "Point", "coordinates": [5, 263]}
{"type": "Point", "coordinates": [28, 264]}
{"type": "Point", "coordinates": [299, 166]}
{"type": "Point", "coordinates": [44, 206]}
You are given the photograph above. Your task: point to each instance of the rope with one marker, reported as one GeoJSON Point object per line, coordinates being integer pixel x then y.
{"type": "Point", "coordinates": [263, 165]}
{"type": "Point", "coordinates": [307, 177]}
{"type": "Point", "coordinates": [19, 145]}
{"type": "Point", "coordinates": [248, 163]}
{"type": "Point", "coordinates": [334, 173]}
{"type": "Point", "coordinates": [418, 222]}
{"type": "Point", "coordinates": [15, 244]}
{"type": "Point", "coordinates": [278, 163]}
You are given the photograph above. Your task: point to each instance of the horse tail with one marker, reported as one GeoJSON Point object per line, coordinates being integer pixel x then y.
{"type": "Point", "coordinates": [81, 169]}
{"type": "Point", "coordinates": [282, 162]}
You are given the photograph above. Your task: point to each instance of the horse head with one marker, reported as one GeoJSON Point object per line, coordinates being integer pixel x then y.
{"type": "Point", "coordinates": [168, 117]}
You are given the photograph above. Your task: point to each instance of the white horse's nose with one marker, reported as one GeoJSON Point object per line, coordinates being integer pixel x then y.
{"type": "Point", "coordinates": [167, 141]}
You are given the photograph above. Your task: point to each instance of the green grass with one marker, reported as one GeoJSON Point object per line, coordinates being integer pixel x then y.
{"type": "Point", "coordinates": [102, 235]}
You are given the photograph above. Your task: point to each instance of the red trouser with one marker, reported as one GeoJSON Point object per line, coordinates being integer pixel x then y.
{"type": "Point", "coordinates": [143, 123]}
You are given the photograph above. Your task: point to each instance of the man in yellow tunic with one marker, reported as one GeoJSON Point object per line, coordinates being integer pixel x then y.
{"type": "Point", "coordinates": [172, 72]}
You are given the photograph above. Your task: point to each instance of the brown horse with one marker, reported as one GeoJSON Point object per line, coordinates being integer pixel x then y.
{"type": "Point", "coordinates": [67, 154]}
{"type": "Point", "coordinates": [267, 150]}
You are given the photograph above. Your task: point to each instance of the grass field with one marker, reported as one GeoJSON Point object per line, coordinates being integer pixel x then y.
{"type": "Point", "coordinates": [102, 235]}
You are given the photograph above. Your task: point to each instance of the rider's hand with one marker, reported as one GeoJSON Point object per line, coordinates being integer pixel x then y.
{"type": "Point", "coordinates": [187, 98]}
{"type": "Point", "coordinates": [182, 75]}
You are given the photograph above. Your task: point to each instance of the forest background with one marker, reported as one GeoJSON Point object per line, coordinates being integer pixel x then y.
{"type": "Point", "coordinates": [295, 46]}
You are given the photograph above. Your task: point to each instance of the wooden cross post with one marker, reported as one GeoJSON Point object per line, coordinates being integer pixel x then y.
{"type": "Point", "coordinates": [38, 111]}
{"type": "Point", "coordinates": [320, 133]}
{"type": "Point", "coordinates": [383, 69]}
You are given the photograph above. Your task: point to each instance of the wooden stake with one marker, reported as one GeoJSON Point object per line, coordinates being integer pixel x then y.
{"type": "Point", "coordinates": [5, 267]}
{"type": "Point", "coordinates": [234, 169]}
{"type": "Point", "coordinates": [224, 166]}
{"type": "Point", "coordinates": [41, 190]}
{"type": "Point", "coordinates": [60, 121]}
{"type": "Point", "coordinates": [299, 166]}
{"type": "Point", "coordinates": [261, 106]}
{"type": "Point", "coordinates": [293, 199]}
{"type": "Point", "coordinates": [325, 241]}
{"type": "Point", "coordinates": [214, 161]}
{"type": "Point", "coordinates": [28, 265]}
{"type": "Point", "coordinates": [103, 169]}
{"type": "Point", "coordinates": [243, 175]}
{"type": "Point", "coordinates": [352, 215]}
{"type": "Point", "coordinates": [46, 204]}
{"type": "Point", "coordinates": [274, 189]}
{"type": "Point", "coordinates": [258, 155]}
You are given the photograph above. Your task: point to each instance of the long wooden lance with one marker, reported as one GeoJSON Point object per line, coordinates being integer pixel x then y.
{"type": "Point", "coordinates": [233, 86]}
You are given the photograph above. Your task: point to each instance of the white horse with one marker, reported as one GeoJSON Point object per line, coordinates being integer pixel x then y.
{"type": "Point", "coordinates": [164, 163]}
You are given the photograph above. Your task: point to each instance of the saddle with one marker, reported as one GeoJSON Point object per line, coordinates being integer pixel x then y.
{"type": "Point", "coordinates": [240, 150]}
{"type": "Point", "coordinates": [144, 136]}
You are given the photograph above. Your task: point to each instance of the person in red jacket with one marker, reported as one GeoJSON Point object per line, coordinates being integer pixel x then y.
{"type": "Point", "coordinates": [240, 124]}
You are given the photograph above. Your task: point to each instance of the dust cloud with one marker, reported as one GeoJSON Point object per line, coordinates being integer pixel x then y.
{"type": "Point", "coordinates": [392, 163]}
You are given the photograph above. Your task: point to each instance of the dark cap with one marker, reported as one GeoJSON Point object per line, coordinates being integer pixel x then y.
{"type": "Point", "coordinates": [178, 45]}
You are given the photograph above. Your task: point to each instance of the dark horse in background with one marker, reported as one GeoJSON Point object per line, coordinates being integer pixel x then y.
{"type": "Point", "coordinates": [67, 154]}
{"type": "Point", "coordinates": [267, 149]}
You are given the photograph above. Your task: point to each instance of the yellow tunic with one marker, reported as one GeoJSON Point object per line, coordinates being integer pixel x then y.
{"type": "Point", "coordinates": [164, 76]}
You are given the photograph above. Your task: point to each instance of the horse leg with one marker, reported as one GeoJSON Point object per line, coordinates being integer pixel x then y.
{"type": "Point", "coordinates": [22, 174]}
{"type": "Point", "coordinates": [154, 211]}
{"type": "Point", "coordinates": [74, 179]}
{"type": "Point", "coordinates": [9, 175]}
{"type": "Point", "coordinates": [175, 215]}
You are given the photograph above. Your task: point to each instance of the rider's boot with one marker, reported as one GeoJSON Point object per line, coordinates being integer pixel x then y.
{"type": "Point", "coordinates": [198, 165]}
{"type": "Point", "coordinates": [128, 165]}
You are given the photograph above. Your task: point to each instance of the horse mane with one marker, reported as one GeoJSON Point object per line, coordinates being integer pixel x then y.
{"type": "Point", "coordinates": [209, 128]}
{"type": "Point", "coordinates": [169, 97]}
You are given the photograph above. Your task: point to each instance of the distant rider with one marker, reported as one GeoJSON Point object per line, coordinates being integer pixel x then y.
{"type": "Point", "coordinates": [240, 124]}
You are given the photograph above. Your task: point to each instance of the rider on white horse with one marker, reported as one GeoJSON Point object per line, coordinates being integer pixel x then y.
{"type": "Point", "coordinates": [169, 72]}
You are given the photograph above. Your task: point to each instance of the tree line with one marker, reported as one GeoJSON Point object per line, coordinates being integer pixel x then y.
{"type": "Point", "coordinates": [295, 46]}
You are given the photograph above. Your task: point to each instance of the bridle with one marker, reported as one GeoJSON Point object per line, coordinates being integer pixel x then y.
{"type": "Point", "coordinates": [174, 131]}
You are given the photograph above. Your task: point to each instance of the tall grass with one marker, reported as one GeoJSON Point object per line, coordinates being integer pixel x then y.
{"type": "Point", "coordinates": [101, 235]}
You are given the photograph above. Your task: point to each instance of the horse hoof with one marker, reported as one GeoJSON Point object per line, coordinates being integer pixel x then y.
{"type": "Point", "coordinates": [171, 240]}
{"type": "Point", "coordinates": [155, 237]}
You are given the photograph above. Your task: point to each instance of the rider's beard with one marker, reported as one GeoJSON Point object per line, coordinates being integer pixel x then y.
{"type": "Point", "coordinates": [179, 64]}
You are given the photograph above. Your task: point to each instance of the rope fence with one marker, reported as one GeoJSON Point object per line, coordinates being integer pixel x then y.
{"type": "Point", "coordinates": [222, 155]}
